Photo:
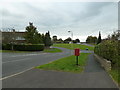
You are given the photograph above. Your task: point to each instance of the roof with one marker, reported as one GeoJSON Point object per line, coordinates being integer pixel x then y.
{"type": "Point", "coordinates": [15, 32]}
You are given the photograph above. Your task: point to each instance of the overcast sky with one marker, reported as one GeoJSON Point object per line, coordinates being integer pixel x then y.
{"type": "Point", "coordinates": [82, 18]}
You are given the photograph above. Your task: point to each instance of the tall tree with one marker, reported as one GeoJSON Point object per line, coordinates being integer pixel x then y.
{"type": "Point", "coordinates": [99, 38]}
{"type": "Point", "coordinates": [31, 34]}
{"type": "Point", "coordinates": [43, 38]}
{"type": "Point", "coordinates": [47, 40]}
{"type": "Point", "coordinates": [40, 38]}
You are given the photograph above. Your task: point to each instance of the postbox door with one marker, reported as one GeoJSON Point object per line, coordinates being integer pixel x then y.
{"type": "Point", "coordinates": [77, 52]}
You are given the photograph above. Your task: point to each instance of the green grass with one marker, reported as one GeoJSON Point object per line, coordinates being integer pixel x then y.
{"type": "Point", "coordinates": [10, 51]}
{"type": "Point", "coordinates": [52, 50]}
{"type": "Point", "coordinates": [92, 44]}
{"type": "Point", "coordinates": [116, 75]}
{"type": "Point", "coordinates": [73, 46]}
{"type": "Point", "coordinates": [67, 64]}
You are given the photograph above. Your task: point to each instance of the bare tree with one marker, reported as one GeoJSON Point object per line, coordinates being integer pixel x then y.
{"type": "Point", "coordinates": [8, 36]}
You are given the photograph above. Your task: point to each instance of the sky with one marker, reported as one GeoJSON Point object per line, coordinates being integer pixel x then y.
{"type": "Point", "coordinates": [82, 18]}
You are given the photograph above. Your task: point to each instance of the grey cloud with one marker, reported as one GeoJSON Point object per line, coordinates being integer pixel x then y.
{"type": "Point", "coordinates": [8, 14]}
{"type": "Point", "coordinates": [91, 10]}
{"type": "Point", "coordinates": [60, 16]}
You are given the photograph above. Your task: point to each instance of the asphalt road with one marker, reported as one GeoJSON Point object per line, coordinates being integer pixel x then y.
{"type": "Point", "coordinates": [87, 44]}
{"type": "Point", "coordinates": [94, 76]}
{"type": "Point", "coordinates": [13, 63]}
{"type": "Point", "coordinates": [16, 62]}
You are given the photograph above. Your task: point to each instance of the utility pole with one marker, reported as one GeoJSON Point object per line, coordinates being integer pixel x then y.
{"type": "Point", "coordinates": [71, 42]}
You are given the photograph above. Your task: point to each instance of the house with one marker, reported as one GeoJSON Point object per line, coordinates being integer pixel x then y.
{"type": "Point", "coordinates": [14, 36]}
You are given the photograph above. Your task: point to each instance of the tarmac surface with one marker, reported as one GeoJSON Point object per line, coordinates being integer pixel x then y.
{"type": "Point", "coordinates": [13, 63]}
{"type": "Point", "coordinates": [94, 75]}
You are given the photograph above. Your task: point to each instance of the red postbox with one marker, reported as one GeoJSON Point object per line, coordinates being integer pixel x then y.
{"type": "Point", "coordinates": [77, 52]}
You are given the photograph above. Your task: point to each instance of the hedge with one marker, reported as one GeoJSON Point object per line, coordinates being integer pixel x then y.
{"type": "Point", "coordinates": [33, 47]}
{"type": "Point", "coordinates": [109, 50]}
{"type": "Point", "coordinates": [6, 46]}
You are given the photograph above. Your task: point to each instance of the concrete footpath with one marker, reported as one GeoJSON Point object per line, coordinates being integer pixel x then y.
{"type": "Point", "coordinates": [94, 76]}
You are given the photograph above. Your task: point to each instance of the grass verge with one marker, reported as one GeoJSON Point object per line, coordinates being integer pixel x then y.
{"type": "Point", "coordinates": [67, 64]}
{"type": "Point", "coordinates": [115, 73]}
{"type": "Point", "coordinates": [52, 50]}
{"type": "Point", "coordinates": [73, 46]}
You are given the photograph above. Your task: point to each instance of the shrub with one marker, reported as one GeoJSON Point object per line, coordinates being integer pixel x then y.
{"type": "Point", "coordinates": [109, 50]}
{"type": "Point", "coordinates": [6, 46]}
{"type": "Point", "coordinates": [26, 47]}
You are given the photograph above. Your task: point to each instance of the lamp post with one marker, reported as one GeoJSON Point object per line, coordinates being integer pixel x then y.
{"type": "Point", "coordinates": [71, 41]}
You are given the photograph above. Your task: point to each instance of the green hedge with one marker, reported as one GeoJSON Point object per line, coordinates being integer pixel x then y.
{"type": "Point", "coordinates": [6, 46]}
{"type": "Point", "coordinates": [33, 47]}
{"type": "Point", "coordinates": [109, 50]}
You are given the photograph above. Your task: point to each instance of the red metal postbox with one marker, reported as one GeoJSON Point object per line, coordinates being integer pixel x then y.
{"type": "Point", "coordinates": [77, 52]}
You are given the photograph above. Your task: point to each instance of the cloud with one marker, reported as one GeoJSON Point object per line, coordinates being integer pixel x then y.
{"type": "Point", "coordinates": [83, 18]}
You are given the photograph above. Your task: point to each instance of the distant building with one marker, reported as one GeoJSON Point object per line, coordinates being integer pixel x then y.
{"type": "Point", "coordinates": [18, 36]}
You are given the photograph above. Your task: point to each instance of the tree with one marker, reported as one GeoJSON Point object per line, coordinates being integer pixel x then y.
{"type": "Point", "coordinates": [8, 36]}
{"type": "Point", "coordinates": [54, 39]}
{"type": "Point", "coordinates": [115, 36]}
{"type": "Point", "coordinates": [91, 39]}
{"type": "Point", "coordinates": [59, 40]}
{"type": "Point", "coordinates": [99, 38]}
{"type": "Point", "coordinates": [40, 38]}
{"type": "Point", "coordinates": [32, 36]}
{"type": "Point", "coordinates": [76, 41]}
{"type": "Point", "coordinates": [67, 40]}
{"type": "Point", "coordinates": [43, 38]}
{"type": "Point", "coordinates": [47, 40]}
{"type": "Point", "coordinates": [94, 40]}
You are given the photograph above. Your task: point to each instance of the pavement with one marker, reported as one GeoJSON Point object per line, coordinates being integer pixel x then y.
{"type": "Point", "coordinates": [94, 76]}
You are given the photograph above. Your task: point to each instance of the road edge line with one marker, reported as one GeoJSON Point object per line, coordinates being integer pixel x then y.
{"type": "Point", "coordinates": [113, 80]}
{"type": "Point", "coordinates": [16, 74]}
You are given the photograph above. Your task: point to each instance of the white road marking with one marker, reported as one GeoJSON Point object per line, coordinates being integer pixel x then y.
{"type": "Point", "coordinates": [16, 74]}
{"type": "Point", "coordinates": [28, 55]}
{"type": "Point", "coordinates": [16, 60]}
{"type": "Point", "coordinates": [4, 56]}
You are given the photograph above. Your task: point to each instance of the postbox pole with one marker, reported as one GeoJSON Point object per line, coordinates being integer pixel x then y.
{"type": "Point", "coordinates": [76, 60]}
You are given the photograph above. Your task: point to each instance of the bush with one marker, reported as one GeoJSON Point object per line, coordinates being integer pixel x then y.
{"type": "Point", "coordinates": [6, 46]}
{"type": "Point", "coordinates": [33, 47]}
{"type": "Point", "coordinates": [109, 50]}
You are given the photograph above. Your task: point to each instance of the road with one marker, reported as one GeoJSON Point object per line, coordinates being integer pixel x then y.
{"type": "Point", "coordinates": [94, 76]}
{"type": "Point", "coordinates": [16, 62]}
{"type": "Point", "coordinates": [87, 44]}
{"type": "Point", "coordinates": [13, 63]}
